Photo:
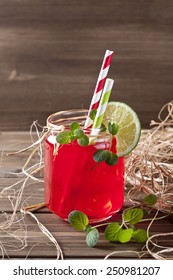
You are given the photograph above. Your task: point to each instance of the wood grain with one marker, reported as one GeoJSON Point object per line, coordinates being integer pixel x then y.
{"type": "Point", "coordinates": [73, 242]}
{"type": "Point", "coordinates": [51, 53]}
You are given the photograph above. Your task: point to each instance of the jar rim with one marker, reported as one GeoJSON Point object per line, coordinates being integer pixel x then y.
{"type": "Point", "coordinates": [61, 120]}
{"type": "Point", "coordinates": [55, 120]}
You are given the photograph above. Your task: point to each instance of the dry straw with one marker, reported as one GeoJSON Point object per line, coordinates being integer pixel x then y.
{"type": "Point", "coordinates": [149, 168]}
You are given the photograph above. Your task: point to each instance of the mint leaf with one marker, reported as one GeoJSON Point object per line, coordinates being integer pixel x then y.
{"type": "Point", "coordinates": [112, 160]}
{"type": "Point", "coordinates": [78, 220]}
{"type": "Point", "coordinates": [84, 141]}
{"type": "Point", "coordinates": [125, 235]}
{"type": "Point", "coordinates": [74, 126]}
{"type": "Point", "coordinates": [102, 128]}
{"type": "Point", "coordinates": [72, 137]}
{"type": "Point", "coordinates": [150, 199]}
{"type": "Point", "coordinates": [63, 137]}
{"type": "Point", "coordinates": [133, 216]}
{"type": "Point", "coordinates": [113, 128]}
{"type": "Point", "coordinates": [78, 133]}
{"type": "Point", "coordinates": [112, 232]}
{"type": "Point", "coordinates": [101, 155]}
{"type": "Point", "coordinates": [93, 114]}
{"type": "Point", "coordinates": [88, 228]}
{"type": "Point", "coordinates": [140, 235]}
{"type": "Point", "coordinates": [92, 237]}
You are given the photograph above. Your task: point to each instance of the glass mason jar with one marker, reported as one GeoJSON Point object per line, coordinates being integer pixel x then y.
{"type": "Point", "coordinates": [73, 180]}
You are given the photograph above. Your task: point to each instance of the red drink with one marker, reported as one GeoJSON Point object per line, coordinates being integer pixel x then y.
{"type": "Point", "coordinates": [74, 181]}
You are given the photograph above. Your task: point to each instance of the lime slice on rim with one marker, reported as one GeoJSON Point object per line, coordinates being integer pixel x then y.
{"type": "Point", "coordinates": [129, 126]}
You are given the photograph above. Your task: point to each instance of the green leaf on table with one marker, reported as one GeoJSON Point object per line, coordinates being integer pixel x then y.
{"type": "Point", "coordinates": [87, 229]}
{"type": "Point", "coordinates": [150, 199]}
{"type": "Point", "coordinates": [101, 155]}
{"type": "Point", "coordinates": [125, 235]}
{"type": "Point", "coordinates": [92, 237]}
{"type": "Point", "coordinates": [84, 141]}
{"type": "Point", "coordinates": [133, 215]}
{"type": "Point", "coordinates": [74, 126]}
{"type": "Point", "coordinates": [63, 137]}
{"type": "Point", "coordinates": [78, 133]}
{"type": "Point", "coordinates": [78, 220]}
{"type": "Point", "coordinates": [140, 235]}
{"type": "Point", "coordinates": [113, 128]}
{"type": "Point", "coordinates": [112, 231]}
{"type": "Point", "coordinates": [112, 160]}
{"type": "Point", "coordinates": [93, 114]}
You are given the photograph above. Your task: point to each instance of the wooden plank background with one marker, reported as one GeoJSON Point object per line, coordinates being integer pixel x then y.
{"type": "Point", "coordinates": [51, 53]}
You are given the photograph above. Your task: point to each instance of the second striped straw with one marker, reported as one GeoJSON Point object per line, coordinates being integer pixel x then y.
{"type": "Point", "coordinates": [102, 106]}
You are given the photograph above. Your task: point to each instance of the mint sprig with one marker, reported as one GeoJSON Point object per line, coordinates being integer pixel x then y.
{"type": "Point", "coordinates": [105, 155]}
{"type": "Point", "coordinates": [63, 137]}
{"type": "Point", "coordinates": [113, 128]}
{"type": "Point", "coordinates": [140, 235]}
{"type": "Point", "coordinates": [102, 128]}
{"type": "Point", "coordinates": [79, 221]}
{"type": "Point", "coordinates": [122, 232]}
{"type": "Point", "coordinates": [76, 133]}
{"type": "Point", "coordinates": [92, 237]}
{"type": "Point", "coordinates": [93, 114]}
{"type": "Point", "coordinates": [125, 231]}
{"type": "Point", "coordinates": [150, 199]}
{"type": "Point", "coordinates": [74, 126]}
{"type": "Point", "coordinates": [112, 231]}
{"type": "Point", "coordinates": [101, 155]}
{"type": "Point", "coordinates": [83, 141]}
{"type": "Point", "coordinates": [112, 160]}
{"type": "Point", "coordinates": [133, 216]}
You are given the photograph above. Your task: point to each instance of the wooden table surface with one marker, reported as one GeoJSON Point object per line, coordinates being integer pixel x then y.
{"type": "Point", "coordinates": [33, 243]}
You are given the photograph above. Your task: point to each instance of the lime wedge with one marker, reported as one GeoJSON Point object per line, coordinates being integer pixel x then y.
{"type": "Point", "coordinates": [129, 126]}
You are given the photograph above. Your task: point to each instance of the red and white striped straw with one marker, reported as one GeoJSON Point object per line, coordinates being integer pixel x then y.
{"type": "Point", "coordinates": [99, 85]}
